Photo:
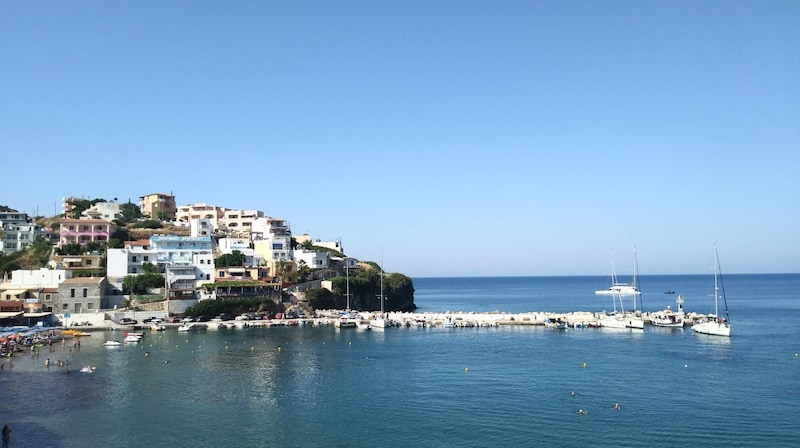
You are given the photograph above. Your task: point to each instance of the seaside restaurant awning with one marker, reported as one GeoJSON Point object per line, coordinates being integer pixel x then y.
{"type": "Point", "coordinates": [10, 314]}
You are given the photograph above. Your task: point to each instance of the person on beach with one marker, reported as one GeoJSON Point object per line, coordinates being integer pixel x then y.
{"type": "Point", "coordinates": [6, 436]}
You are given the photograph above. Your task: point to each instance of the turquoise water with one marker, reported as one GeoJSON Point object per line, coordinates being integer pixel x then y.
{"type": "Point", "coordinates": [436, 387]}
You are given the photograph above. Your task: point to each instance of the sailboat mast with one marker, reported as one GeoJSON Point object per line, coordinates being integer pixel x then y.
{"type": "Point", "coordinates": [347, 281]}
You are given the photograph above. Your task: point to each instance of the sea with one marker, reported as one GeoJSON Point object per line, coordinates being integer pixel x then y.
{"type": "Point", "coordinates": [319, 386]}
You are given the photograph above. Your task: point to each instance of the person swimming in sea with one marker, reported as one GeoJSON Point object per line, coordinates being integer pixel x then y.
{"type": "Point", "coordinates": [617, 407]}
{"type": "Point", "coordinates": [582, 412]}
{"type": "Point", "coordinates": [573, 394]}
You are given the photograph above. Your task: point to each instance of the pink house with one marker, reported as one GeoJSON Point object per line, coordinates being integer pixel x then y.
{"type": "Point", "coordinates": [84, 231]}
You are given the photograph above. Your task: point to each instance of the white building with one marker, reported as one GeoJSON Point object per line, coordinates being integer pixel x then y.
{"type": "Point", "coordinates": [36, 278]}
{"type": "Point", "coordinates": [314, 260]}
{"type": "Point", "coordinates": [239, 222]}
{"type": "Point", "coordinates": [129, 260]}
{"type": "Point", "coordinates": [107, 211]}
{"type": "Point", "coordinates": [19, 231]}
{"type": "Point", "coordinates": [202, 227]}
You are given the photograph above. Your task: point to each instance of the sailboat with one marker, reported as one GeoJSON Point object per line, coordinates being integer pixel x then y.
{"type": "Point", "coordinates": [346, 320]}
{"type": "Point", "coordinates": [632, 320]}
{"type": "Point", "coordinates": [380, 321]}
{"type": "Point", "coordinates": [716, 325]}
{"type": "Point", "coordinates": [617, 291]}
{"type": "Point", "coordinates": [618, 288]}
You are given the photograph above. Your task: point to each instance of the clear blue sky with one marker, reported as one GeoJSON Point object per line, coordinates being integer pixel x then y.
{"type": "Point", "coordinates": [462, 137]}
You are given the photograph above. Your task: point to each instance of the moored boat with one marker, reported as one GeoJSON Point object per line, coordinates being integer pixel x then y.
{"type": "Point", "coordinates": [669, 318]}
{"type": "Point", "coordinates": [716, 325]}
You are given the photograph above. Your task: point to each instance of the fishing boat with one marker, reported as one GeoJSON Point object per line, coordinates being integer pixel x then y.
{"type": "Point", "coordinates": [716, 325]}
{"type": "Point", "coordinates": [669, 318]}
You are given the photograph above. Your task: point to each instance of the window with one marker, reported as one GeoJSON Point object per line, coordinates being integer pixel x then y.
{"type": "Point", "coordinates": [146, 258]}
{"type": "Point", "coordinates": [134, 258]}
{"type": "Point", "coordinates": [85, 292]}
{"type": "Point", "coordinates": [72, 292]}
{"type": "Point", "coordinates": [90, 306]}
{"type": "Point", "coordinates": [88, 262]}
{"type": "Point", "coordinates": [133, 270]}
{"type": "Point", "coordinates": [65, 307]}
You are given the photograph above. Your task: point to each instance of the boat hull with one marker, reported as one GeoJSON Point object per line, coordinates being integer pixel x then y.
{"type": "Point", "coordinates": [713, 328]}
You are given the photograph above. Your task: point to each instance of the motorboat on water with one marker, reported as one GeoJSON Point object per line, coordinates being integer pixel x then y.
{"type": "Point", "coordinates": [189, 326]}
{"type": "Point", "coordinates": [132, 338]}
{"type": "Point", "coordinates": [112, 343]}
{"type": "Point", "coordinates": [88, 369]}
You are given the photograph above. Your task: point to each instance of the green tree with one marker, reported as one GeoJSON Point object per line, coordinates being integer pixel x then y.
{"type": "Point", "coordinates": [235, 258]}
{"type": "Point", "coordinates": [41, 249]}
{"type": "Point", "coordinates": [130, 212]}
{"type": "Point", "coordinates": [70, 249]}
{"type": "Point", "coordinates": [321, 298]}
{"type": "Point", "coordinates": [284, 271]}
{"type": "Point", "coordinates": [303, 271]}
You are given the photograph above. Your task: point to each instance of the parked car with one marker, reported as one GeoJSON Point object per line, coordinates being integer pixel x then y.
{"type": "Point", "coordinates": [175, 320]}
{"type": "Point", "coordinates": [128, 321]}
{"type": "Point", "coordinates": [150, 319]}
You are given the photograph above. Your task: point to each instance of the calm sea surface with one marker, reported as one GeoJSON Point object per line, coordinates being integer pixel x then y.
{"type": "Point", "coordinates": [437, 387]}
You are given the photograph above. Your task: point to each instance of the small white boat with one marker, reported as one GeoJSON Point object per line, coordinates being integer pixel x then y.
{"type": "Point", "coordinates": [612, 321]}
{"type": "Point", "coordinates": [88, 369]}
{"type": "Point", "coordinates": [157, 327]}
{"type": "Point", "coordinates": [189, 326]}
{"type": "Point", "coordinates": [345, 322]}
{"type": "Point", "coordinates": [112, 343]}
{"type": "Point", "coordinates": [132, 338]}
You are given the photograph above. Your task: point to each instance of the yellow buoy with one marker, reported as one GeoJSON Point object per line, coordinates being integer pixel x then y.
{"type": "Point", "coordinates": [466, 369]}
{"type": "Point", "coordinates": [584, 365]}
